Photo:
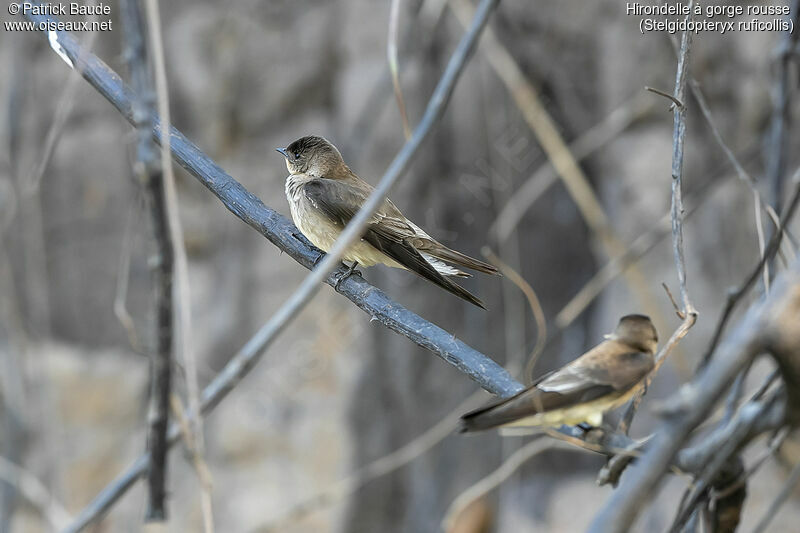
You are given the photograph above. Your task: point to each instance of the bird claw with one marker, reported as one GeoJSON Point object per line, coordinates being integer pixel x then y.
{"type": "Point", "coordinates": [350, 271]}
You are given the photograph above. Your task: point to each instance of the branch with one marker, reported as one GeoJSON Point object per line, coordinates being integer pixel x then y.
{"type": "Point", "coordinates": [150, 174]}
{"type": "Point", "coordinates": [678, 141]}
{"type": "Point", "coordinates": [688, 313]}
{"type": "Point", "coordinates": [781, 112]}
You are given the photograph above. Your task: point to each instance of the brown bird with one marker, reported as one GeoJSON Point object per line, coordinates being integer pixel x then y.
{"type": "Point", "coordinates": [324, 194]}
{"type": "Point", "coordinates": [600, 380]}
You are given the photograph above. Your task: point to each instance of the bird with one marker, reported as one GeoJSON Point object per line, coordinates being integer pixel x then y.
{"type": "Point", "coordinates": [324, 194]}
{"type": "Point", "coordinates": [580, 392]}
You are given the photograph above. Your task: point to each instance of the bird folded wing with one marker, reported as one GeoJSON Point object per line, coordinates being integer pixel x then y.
{"type": "Point", "coordinates": [387, 233]}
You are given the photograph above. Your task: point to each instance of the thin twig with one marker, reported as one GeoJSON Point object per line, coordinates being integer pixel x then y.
{"type": "Point", "coordinates": [688, 313]}
{"type": "Point", "coordinates": [123, 274]}
{"type": "Point", "coordinates": [391, 53]}
{"type": "Point", "coordinates": [189, 440]}
{"type": "Point", "coordinates": [674, 99]}
{"type": "Point", "coordinates": [741, 173]}
{"type": "Point", "coordinates": [678, 140]}
{"type": "Point", "coordinates": [677, 309]}
{"type": "Point", "coordinates": [535, 305]}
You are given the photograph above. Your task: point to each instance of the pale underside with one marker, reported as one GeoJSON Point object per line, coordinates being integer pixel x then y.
{"type": "Point", "coordinates": [588, 412]}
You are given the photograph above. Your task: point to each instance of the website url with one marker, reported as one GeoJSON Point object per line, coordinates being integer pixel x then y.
{"type": "Point", "coordinates": [51, 25]}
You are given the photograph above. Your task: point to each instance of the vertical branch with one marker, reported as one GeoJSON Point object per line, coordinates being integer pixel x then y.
{"type": "Point", "coordinates": [776, 157]}
{"type": "Point", "coordinates": [619, 513]}
{"type": "Point", "coordinates": [678, 141]}
{"type": "Point", "coordinates": [149, 171]}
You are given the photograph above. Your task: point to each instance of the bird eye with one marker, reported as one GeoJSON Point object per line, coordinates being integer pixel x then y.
{"type": "Point", "coordinates": [297, 155]}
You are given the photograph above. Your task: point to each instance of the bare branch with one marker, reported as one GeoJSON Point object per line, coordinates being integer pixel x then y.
{"type": "Point", "coordinates": [674, 99]}
{"type": "Point", "coordinates": [678, 140]}
{"type": "Point", "coordinates": [781, 111]}
{"type": "Point", "coordinates": [150, 175]}
{"type": "Point", "coordinates": [123, 275]}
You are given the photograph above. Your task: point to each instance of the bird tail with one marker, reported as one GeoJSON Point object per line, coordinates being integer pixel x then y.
{"type": "Point", "coordinates": [458, 290]}
{"type": "Point", "coordinates": [411, 258]}
{"type": "Point", "coordinates": [446, 254]}
{"type": "Point", "coordinates": [498, 413]}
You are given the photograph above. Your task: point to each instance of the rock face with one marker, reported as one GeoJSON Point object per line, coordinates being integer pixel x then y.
{"type": "Point", "coordinates": [336, 392]}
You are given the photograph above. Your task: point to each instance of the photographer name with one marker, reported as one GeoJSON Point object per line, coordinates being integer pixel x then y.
{"type": "Point", "coordinates": [58, 8]}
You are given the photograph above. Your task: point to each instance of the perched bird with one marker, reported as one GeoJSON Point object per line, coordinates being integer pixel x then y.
{"type": "Point", "coordinates": [324, 194]}
{"type": "Point", "coordinates": [602, 379]}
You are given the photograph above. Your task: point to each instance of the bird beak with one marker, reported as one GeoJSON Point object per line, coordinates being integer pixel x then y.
{"type": "Point", "coordinates": [609, 337]}
{"type": "Point", "coordinates": [283, 152]}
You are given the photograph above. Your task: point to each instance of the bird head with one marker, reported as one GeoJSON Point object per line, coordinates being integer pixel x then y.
{"type": "Point", "coordinates": [312, 155]}
{"type": "Point", "coordinates": [636, 331]}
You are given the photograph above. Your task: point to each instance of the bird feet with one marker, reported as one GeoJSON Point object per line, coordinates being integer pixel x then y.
{"type": "Point", "coordinates": [350, 271]}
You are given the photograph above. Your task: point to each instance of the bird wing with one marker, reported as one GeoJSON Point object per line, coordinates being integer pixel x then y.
{"type": "Point", "coordinates": [595, 374]}
{"type": "Point", "coordinates": [387, 230]}
{"type": "Point", "coordinates": [610, 364]}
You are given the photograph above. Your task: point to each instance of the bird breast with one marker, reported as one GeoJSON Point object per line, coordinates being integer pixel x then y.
{"type": "Point", "coordinates": [322, 231]}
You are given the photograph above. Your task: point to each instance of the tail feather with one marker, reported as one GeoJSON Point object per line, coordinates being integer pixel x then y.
{"type": "Point", "coordinates": [446, 254]}
{"type": "Point", "coordinates": [412, 259]}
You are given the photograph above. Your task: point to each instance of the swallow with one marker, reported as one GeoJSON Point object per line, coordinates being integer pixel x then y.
{"type": "Point", "coordinates": [324, 194]}
{"type": "Point", "coordinates": [580, 392]}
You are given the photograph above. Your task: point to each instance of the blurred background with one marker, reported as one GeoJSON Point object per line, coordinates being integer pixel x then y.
{"type": "Point", "coordinates": [336, 392]}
